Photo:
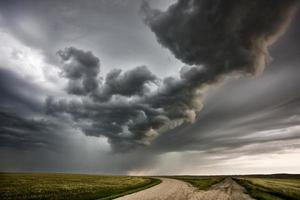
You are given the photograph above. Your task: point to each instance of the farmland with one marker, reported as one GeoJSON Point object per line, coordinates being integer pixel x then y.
{"type": "Point", "coordinates": [69, 186]}
{"type": "Point", "coordinates": [260, 187]}
{"type": "Point", "coordinates": [272, 188]}
{"type": "Point", "coordinates": [87, 187]}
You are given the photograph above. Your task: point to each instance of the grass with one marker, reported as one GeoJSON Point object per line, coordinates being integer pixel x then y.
{"type": "Point", "coordinates": [272, 188]}
{"type": "Point", "coordinates": [35, 186]}
{"type": "Point", "coordinates": [200, 182]}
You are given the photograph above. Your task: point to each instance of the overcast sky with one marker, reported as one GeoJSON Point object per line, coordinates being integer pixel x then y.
{"type": "Point", "coordinates": [163, 87]}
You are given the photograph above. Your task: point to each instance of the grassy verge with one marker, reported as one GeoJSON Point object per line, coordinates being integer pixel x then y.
{"type": "Point", "coordinates": [271, 189]}
{"type": "Point", "coordinates": [202, 183]}
{"type": "Point", "coordinates": [256, 192]}
{"type": "Point", "coordinates": [154, 182]}
{"type": "Point", "coordinates": [36, 186]}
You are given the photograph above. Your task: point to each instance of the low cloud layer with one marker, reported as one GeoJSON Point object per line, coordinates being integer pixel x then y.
{"type": "Point", "coordinates": [16, 131]}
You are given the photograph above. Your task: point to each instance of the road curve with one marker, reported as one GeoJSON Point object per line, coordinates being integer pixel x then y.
{"type": "Point", "coordinates": [168, 189]}
{"type": "Point", "coordinates": [171, 189]}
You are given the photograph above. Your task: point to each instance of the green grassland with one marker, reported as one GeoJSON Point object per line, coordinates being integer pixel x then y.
{"type": "Point", "coordinates": [200, 182]}
{"type": "Point", "coordinates": [266, 188]}
{"type": "Point", "coordinates": [69, 186]}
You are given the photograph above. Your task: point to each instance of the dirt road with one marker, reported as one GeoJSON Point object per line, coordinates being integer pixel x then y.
{"type": "Point", "coordinates": [226, 190]}
{"type": "Point", "coordinates": [168, 189]}
{"type": "Point", "coordinates": [171, 189]}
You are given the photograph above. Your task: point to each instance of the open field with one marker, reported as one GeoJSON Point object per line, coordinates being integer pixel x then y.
{"type": "Point", "coordinates": [272, 188]}
{"type": "Point", "coordinates": [200, 182]}
{"type": "Point", "coordinates": [69, 186]}
{"type": "Point", "coordinates": [74, 186]}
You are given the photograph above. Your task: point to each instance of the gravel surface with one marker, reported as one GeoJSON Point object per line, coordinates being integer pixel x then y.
{"type": "Point", "coordinates": [171, 189]}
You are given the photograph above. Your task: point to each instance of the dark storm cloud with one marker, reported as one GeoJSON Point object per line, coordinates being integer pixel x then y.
{"type": "Point", "coordinates": [123, 123]}
{"type": "Point", "coordinates": [22, 133]}
{"type": "Point", "coordinates": [242, 113]}
{"type": "Point", "coordinates": [123, 111]}
{"type": "Point", "coordinates": [119, 119]}
{"type": "Point", "coordinates": [220, 38]}
{"type": "Point", "coordinates": [81, 68]}
{"type": "Point", "coordinates": [131, 82]}
{"type": "Point", "coordinates": [130, 108]}
{"type": "Point", "coordinates": [123, 108]}
{"type": "Point", "coordinates": [21, 126]}
{"type": "Point", "coordinates": [225, 36]}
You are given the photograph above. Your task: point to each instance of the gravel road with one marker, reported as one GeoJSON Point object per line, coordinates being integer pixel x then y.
{"type": "Point", "coordinates": [171, 189]}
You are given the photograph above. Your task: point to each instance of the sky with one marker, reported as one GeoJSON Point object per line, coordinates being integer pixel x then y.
{"type": "Point", "coordinates": [154, 87]}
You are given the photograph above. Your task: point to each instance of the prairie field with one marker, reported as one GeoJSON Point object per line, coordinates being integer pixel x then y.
{"type": "Point", "coordinates": [272, 188]}
{"type": "Point", "coordinates": [69, 186]}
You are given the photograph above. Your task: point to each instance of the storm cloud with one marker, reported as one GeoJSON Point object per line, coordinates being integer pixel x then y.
{"type": "Point", "coordinates": [81, 68]}
{"type": "Point", "coordinates": [130, 83]}
{"type": "Point", "coordinates": [225, 36]}
{"type": "Point", "coordinates": [13, 97]}
{"type": "Point", "coordinates": [218, 39]}
{"type": "Point", "coordinates": [82, 81]}
{"type": "Point", "coordinates": [16, 131]}
{"type": "Point", "coordinates": [113, 108]}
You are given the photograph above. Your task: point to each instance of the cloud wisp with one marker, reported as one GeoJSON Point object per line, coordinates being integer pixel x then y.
{"type": "Point", "coordinates": [132, 108]}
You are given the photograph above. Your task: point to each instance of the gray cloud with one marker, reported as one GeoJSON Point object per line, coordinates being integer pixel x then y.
{"type": "Point", "coordinates": [224, 36]}
{"type": "Point", "coordinates": [242, 113]}
{"type": "Point", "coordinates": [81, 68]}
{"type": "Point", "coordinates": [123, 108]}
{"type": "Point", "coordinates": [31, 133]}
{"type": "Point", "coordinates": [22, 125]}
{"type": "Point", "coordinates": [130, 83]}
{"type": "Point", "coordinates": [18, 94]}
{"type": "Point", "coordinates": [123, 121]}
{"type": "Point", "coordinates": [112, 29]}
{"type": "Point", "coordinates": [128, 115]}
{"type": "Point", "coordinates": [131, 108]}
